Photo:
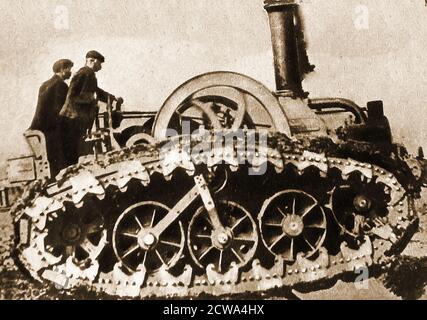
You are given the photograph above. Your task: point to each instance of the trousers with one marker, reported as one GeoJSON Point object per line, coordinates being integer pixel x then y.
{"type": "Point", "coordinates": [72, 138]}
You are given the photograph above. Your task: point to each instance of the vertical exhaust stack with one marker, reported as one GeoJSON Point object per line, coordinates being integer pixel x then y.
{"type": "Point", "coordinates": [282, 15]}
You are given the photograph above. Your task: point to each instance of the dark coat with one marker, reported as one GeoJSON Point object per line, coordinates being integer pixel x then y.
{"type": "Point", "coordinates": [52, 95]}
{"type": "Point", "coordinates": [81, 103]}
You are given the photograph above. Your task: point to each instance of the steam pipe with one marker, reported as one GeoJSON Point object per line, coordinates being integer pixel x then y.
{"type": "Point", "coordinates": [281, 15]}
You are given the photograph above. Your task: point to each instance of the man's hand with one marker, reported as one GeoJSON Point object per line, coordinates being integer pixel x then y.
{"type": "Point", "coordinates": [119, 100]}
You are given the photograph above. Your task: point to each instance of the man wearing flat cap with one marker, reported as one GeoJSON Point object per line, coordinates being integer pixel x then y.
{"type": "Point", "coordinates": [51, 98]}
{"type": "Point", "coordinates": [81, 107]}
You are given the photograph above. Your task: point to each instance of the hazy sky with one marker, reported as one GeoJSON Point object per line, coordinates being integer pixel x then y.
{"type": "Point", "coordinates": [153, 46]}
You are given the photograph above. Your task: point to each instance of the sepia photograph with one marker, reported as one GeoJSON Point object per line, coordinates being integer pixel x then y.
{"type": "Point", "coordinates": [193, 150]}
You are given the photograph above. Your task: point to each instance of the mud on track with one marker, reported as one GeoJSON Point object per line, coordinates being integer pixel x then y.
{"type": "Point", "coordinates": [409, 281]}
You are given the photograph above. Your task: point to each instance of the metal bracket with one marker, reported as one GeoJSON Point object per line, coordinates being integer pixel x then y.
{"type": "Point", "coordinates": [208, 201]}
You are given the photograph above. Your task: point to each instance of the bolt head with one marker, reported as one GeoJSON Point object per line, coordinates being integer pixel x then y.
{"type": "Point", "coordinates": [149, 239]}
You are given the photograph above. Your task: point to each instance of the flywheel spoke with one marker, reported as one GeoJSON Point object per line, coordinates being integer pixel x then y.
{"type": "Point", "coordinates": [130, 251]}
{"type": "Point", "coordinates": [139, 222]}
{"type": "Point", "coordinates": [144, 259]}
{"type": "Point", "coordinates": [276, 225]}
{"type": "Point", "coordinates": [206, 252]}
{"type": "Point", "coordinates": [238, 222]}
{"type": "Point", "coordinates": [160, 257]}
{"type": "Point", "coordinates": [237, 255]}
{"type": "Point", "coordinates": [203, 236]}
{"type": "Point", "coordinates": [129, 235]}
{"type": "Point", "coordinates": [318, 225]}
{"type": "Point", "coordinates": [308, 242]}
{"type": "Point", "coordinates": [153, 217]}
{"type": "Point", "coordinates": [221, 255]}
{"type": "Point", "coordinates": [309, 209]}
{"type": "Point", "coordinates": [208, 220]}
{"type": "Point", "coordinates": [244, 239]}
{"type": "Point", "coordinates": [281, 212]}
{"type": "Point", "coordinates": [290, 253]}
{"type": "Point", "coordinates": [280, 238]}
{"type": "Point", "coordinates": [172, 244]}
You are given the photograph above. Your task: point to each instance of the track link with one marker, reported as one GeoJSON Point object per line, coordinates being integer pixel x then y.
{"type": "Point", "coordinates": [44, 204]}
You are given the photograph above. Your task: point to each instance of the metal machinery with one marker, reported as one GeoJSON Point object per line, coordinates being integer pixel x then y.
{"type": "Point", "coordinates": [327, 192]}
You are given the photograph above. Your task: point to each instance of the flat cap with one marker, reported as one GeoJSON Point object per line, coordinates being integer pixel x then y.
{"type": "Point", "coordinates": [61, 65]}
{"type": "Point", "coordinates": [95, 55]}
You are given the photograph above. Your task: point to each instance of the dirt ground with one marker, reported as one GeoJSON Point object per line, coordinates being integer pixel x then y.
{"type": "Point", "coordinates": [411, 283]}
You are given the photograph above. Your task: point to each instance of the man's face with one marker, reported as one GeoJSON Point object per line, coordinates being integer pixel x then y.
{"type": "Point", "coordinates": [95, 64]}
{"type": "Point", "coordinates": [66, 73]}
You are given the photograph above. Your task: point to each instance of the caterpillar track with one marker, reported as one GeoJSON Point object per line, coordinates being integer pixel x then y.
{"type": "Point", "coordinates": [163, 221]}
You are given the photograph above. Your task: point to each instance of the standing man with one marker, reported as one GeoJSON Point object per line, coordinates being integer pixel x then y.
{"type": "Point", "coordinates": [52, 96]}
{"type": "Point", "coordinates": [81, 107]}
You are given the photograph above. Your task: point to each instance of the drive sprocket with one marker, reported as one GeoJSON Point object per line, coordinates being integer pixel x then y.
{"type": "Point", "coordinates": [104, 181]}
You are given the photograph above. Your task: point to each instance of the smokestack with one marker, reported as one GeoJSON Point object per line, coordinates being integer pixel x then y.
{"type": "Point", "coordinates": [281, 14]}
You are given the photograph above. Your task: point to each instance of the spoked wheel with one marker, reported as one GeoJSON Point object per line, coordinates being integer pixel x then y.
{"type": "Point", "coordinates": [135, 244]}
{"type": "Point", "coordinates": [357, 208]}
{"type": "Point", "coordinates": [218, 178]}
{"type": "Point", "coordinates": [292, 222]}
{"type": "Point", "coordinates": [236, 242]}
{"type": "Point", "coordinates": [227, 103]}
{"type": "Point", "coordinates": [220, 100]}
{"type": "Point", "coordinates": [213, 108]}
{"type": "Point", "coordinates": [79, 235]}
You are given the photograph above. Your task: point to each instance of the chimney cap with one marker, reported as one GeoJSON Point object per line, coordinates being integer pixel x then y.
{"type": "Point", "coordinates": [276, 4]}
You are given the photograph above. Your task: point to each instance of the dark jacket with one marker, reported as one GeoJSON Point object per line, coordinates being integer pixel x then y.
{"type": "Point", "coordinates": [81, 102]}
{"type": "Point", "coordinates": [52, 95]}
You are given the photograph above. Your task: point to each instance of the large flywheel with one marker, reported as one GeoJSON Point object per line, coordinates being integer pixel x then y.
{"type": "Point", "coordinates": [220, 100]}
